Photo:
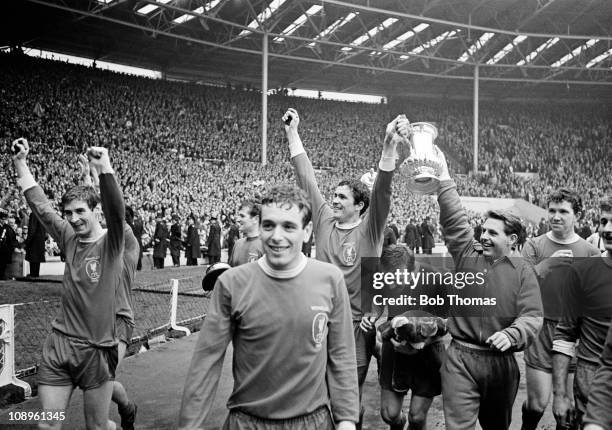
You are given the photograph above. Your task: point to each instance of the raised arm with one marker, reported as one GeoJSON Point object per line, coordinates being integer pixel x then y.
{"type": "Point", "coordinates": [457, 231]}
{"type": "Point", "coordinates": [41, 207]}
{"type": "Point", "coordinates": [111, 196]}
{"type": "Point", "coordinates": [304, 173]}
{"type": "Point", "coordinates": [380, 200]}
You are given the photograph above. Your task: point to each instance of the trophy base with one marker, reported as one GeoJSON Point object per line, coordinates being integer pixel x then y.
{"type": "Point", "coordinates": [423, 184]}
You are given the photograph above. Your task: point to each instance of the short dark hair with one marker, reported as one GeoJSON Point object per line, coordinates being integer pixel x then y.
{"type": "Point", "coordinates": [512, 224]}
{"type": "Point", "coordinates": [253, 206]}
{"type": "Point", "coordinates": [563, 194]}
{"type": "Point", "coordinates": [360, 192]}
{"type": "Point", "coordinates": [288, 196]}
{"type": "Point", "coordinates": [84, 193]}
{"type": "Point", "coordinates": [396, 256]}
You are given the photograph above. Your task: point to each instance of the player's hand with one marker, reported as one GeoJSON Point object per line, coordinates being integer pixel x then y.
{"type": "Point", "coordinates": [367, 323]}
{"type": "Point", "coordinates": [291, 117]}
{"type": "Point", "coordinates": [83, 165]}
{"type": "Point", "coordinates": [562, 257]}
{"type": "Point", "coordinates": [559, 258]}
{"type": "Point", "coordinates": [499, 341]}
{"type": "Point", "coordinates": [563, 411]}
{"type": "Point", "coordinates": [99, 160]}
{"type": "Point", "coordinates": [398, 130]}
{"type": "Point", "coordinates": [20, 149]}
{"type": "Point", "coordinates": [444, 174]}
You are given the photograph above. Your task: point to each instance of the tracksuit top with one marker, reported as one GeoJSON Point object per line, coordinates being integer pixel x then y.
{"type": "Point", "coordinates": [293, 342]}
{"type": "Point", "coordinates": [512, 281]}
{"type": "Point", "coordinates": [342, 247]}
{"type": "Point", "coordinates": [93, 270]}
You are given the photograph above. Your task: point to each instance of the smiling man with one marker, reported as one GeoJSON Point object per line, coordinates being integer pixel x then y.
{"type": "Point", "coordinates": [480, 375]}
{"type": "Point", "coordinates": [551, 254]}
{"type": "Point", "coordinates": [249, 248]}
{"type": "Point", "coordinates": [347, 231]}
{"type": "Point", "coordinates": [288, 318]}
{"type": "Point", "coordinates": [82, 349]}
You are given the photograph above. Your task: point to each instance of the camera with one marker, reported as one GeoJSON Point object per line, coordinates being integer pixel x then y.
{"type": "Point", "coordinates": [288, 120]}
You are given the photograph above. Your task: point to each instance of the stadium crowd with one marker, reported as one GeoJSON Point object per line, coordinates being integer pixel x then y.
{"type": "Point", "coordinates": [186, 153]}
{"type": "Point", "coordinates": [194, 150]}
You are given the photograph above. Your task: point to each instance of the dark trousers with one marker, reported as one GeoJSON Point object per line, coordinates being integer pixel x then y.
{"type": "Point", "coordinates": [478, 385]}
{"type": "Point", "coordinates": [158, 262]}
{"type": "Point", "coordinates": [212, 259]}
{"type": "Point", "coordinates": [3, 264]}
{"type": "Point", "coordinates": [34, 269]}
{"type": "Point", "coordinates": [192, 261]}
{"type": "Point", "coordinates": [176, 258]}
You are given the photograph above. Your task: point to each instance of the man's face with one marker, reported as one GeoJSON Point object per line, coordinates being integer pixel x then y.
{"type": "Point", "coordinates": [82, 219]}
{"type": "Point", "coordinates": [343, 205]}
{"type": "Point", "coordinates": [12, 223]}
{"type": "Point", "coordinates": [605, 230]}
{"type": "Point", "coordinates": [282, 235]}
{"type": "Point", "coordinates": [246, 222]}
{"type": "Point", "coordinates": [495, 243]}
{"type": "Point", "coordinates": [561, 217]}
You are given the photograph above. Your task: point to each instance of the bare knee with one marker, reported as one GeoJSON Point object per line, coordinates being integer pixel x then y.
{"type": "Point", "coordinates": [537, 399]}
{"type": "Point", "coordinates": [390, 413]}
{"type": "Point", "coordinates": [417, 419]}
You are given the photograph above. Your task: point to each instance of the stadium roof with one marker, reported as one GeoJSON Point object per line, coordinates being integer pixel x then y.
{"type": "Point", "coordinates": [544, 49]}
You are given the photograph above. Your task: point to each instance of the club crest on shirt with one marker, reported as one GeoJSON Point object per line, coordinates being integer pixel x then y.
{"type": "Point", "coordinates": [349, 253]}
{"type": "Point", "coordinates": [253, 257]}
{"type": "Point", "coordinates": [319, 325]}
{"type": "Point", "coordinates": [92, 268]}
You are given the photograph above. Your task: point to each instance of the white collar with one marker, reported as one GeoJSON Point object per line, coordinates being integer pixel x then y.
{"type": "Point", "coordinates": [282, 274]}
{"type": "Point", "coordinates": [348, 226]}
{"type": "Point", "coordinates": [572, 239]}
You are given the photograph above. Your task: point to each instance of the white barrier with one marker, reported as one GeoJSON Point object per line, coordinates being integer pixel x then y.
{"type": "Point", "coordinates": [7, 351]}
{"type": "Point", "coordinates": [173, 307]}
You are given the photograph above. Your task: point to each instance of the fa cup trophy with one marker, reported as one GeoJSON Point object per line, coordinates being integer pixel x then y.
{"type": "Point", "coordinates": [422, 168]}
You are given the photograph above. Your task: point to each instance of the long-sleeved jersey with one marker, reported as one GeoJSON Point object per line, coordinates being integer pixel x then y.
{"type": "Point", "coordinates": [93, 271]}
{"type": "Point", "coordinates": [511, 281]}
{"type": "Point", "coordinates": [293, 345]}
{"type": "Point", "coordinates": [344, 247]}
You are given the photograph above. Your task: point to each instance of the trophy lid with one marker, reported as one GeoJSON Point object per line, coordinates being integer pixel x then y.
{"type": "Point", "coordinates": [424, 127]}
